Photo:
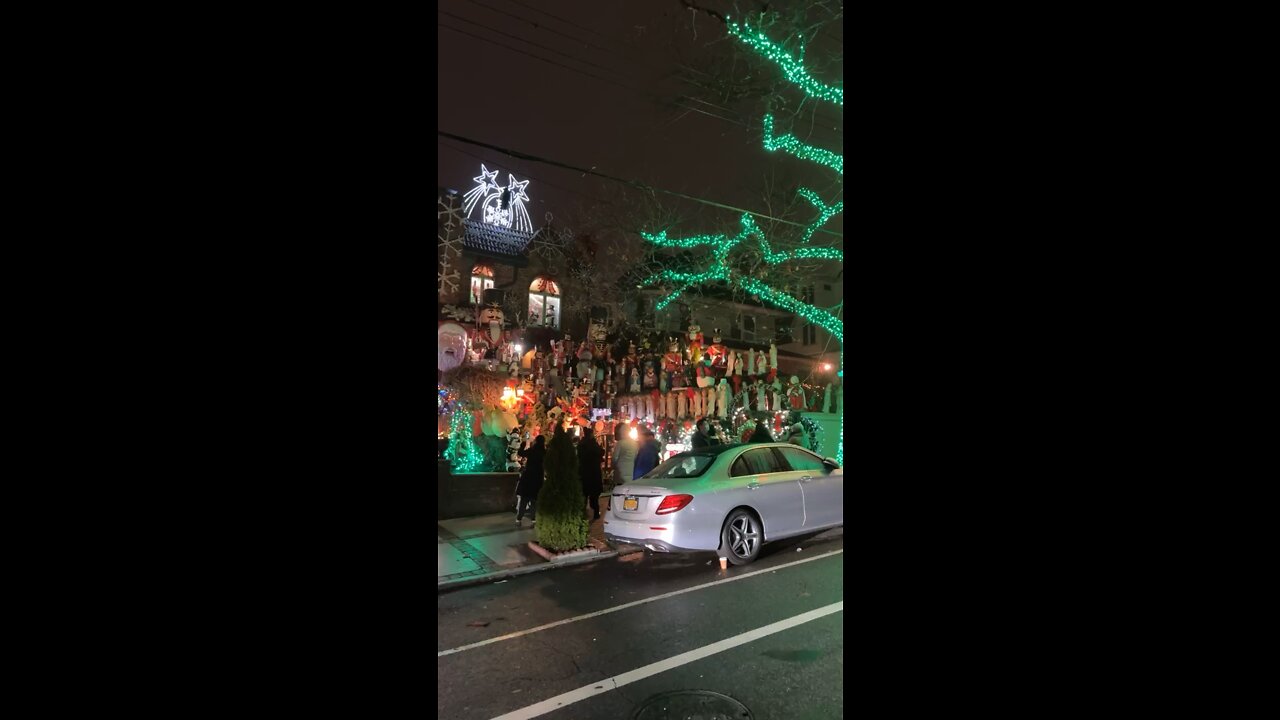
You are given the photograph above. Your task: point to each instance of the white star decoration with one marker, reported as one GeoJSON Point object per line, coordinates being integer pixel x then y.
{"type": "Point", "coordinates": [486, 181]}
{"type": "Point", "coordinates": [516, 188]}
{"type": "Point", "coordinates": [487, 178]}
{"type": "Point", "coordinates": [488, 194]}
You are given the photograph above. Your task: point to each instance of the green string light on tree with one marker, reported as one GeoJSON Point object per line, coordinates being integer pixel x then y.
{"type": "Point", "coordinates": [826, 212]}
{"type": "Point", "coordinates": [462, 450]}
{"type": "Point", "coordinates": [793, 68]}
{"type": "Point", "coordinates": [792, 144]}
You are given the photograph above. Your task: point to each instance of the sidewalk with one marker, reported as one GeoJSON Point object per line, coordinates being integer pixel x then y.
{"type": "Point", "coordinates": [490, 547]}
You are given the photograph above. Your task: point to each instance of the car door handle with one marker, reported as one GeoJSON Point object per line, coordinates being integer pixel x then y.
{"type": "Point", "coordinates": [806, 478]}
{"type": "Point", "coordinates": [753, 485]}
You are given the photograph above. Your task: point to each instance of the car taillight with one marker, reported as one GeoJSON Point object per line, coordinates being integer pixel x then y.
{"type": "Point", "coordinates": [672, 503]}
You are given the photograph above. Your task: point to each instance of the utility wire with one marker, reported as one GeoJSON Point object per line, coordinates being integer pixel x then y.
{"type": "Point", "coordinates": [827, 123]}
{"type": "Point", "coordinates": [527, 175]}
{"type": "Point", "coordinates": [633, 90]}
{"type": "Point", "coordinates": [633, 183]}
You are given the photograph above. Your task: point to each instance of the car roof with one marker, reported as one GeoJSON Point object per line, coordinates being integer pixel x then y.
{"type": "Point", "coordinates": [716, 450]}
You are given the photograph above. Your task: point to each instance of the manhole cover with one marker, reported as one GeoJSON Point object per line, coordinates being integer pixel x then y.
{"type": "Point", "coordinates": [692, 705]}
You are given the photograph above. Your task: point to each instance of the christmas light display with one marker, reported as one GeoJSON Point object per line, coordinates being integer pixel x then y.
{"type": "Point", "coordinates": [815, 433]}
{"type": "Point", "coordinates": [719, 269]}
{"type": "Point", "coordinates": [792, 67]}
{"type": "Point", "coordinates": [791, 144]}
{"type": "Point", "coordinates": [500, 205]}
{"type": "Point", "coordinates": [449, 241]}
{"type": "Point", "coordinates": [462, 451]}
{"type": "Point", "coordinates": [826, 212]}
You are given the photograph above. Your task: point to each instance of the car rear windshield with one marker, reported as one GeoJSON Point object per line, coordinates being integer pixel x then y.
{"type": "Point", "coordinates": [682, 466]}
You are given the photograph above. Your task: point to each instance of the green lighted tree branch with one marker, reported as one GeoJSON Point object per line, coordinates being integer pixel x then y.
{"type": "Point", "coordinates": [722, 269]}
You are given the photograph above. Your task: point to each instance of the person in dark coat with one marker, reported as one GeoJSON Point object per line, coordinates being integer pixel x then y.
{"type": "Point", "coordinates": [702, 437]}
{"type": "Point", "coordinates": [761, 433]}
{"type": "Point", "coordinates": [647, 457]}
{"type": "Point", "coordinates": [590, 455]}
{"type": "Point", "coordinates": [530, 480]}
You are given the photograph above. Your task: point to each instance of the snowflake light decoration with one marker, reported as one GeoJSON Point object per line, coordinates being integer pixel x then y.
{"type": "Point", "coordinates": [551, 243]}
{"type": "Point", "coordinates": [500, 205]}
{"type": "Point", "coordinates": [450, 243]}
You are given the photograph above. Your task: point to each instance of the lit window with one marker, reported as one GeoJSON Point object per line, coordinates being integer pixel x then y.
{"type": "Point", "coordinates": [544, 302]}
{"type": "Point", "coordinates": [481, 280]}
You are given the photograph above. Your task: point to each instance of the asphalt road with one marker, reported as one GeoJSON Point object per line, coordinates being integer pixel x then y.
{"type": "Point", "coordinates": [704, 634]}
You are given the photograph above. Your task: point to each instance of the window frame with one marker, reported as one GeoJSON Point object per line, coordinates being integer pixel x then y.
{"type": "Point", "coordinates": [806, 453]}
{"type": "Point", "coordinates": [778, 463]}
{"type": "Point", "coordinates": [484, 274]}
{"type": "Point", "coordinates": [548, 283]}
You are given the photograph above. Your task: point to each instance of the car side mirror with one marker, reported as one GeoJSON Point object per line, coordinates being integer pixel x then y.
{"type": "Point", "coordinates": [831, 464]}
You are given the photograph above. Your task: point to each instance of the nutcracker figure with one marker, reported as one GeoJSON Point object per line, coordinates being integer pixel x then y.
{"type": "Point", "coordinates": [671, 361]}
{"type": "Point", "coordinates": [695, 344]}
{"type": "Point", "coordinates": [717, 355]}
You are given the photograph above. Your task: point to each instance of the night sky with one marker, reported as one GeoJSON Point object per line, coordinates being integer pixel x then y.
{"type": "Point", "coordinates": [632, 121]}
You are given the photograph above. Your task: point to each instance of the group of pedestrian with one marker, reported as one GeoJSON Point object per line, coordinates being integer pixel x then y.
{"type": "Point", "coordinates": [631, 460]}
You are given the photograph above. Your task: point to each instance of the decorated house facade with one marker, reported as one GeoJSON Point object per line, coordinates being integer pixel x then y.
{"type": "Point", "coordinates": [513, 359]}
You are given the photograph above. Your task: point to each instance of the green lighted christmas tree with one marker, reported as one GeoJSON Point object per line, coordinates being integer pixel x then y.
{"type": "Point", "coordinates": [722, 268]}
{"type": "Point", "coordinates": [562, 520]}
{"type": "Point", "coordinates": [462, 452]}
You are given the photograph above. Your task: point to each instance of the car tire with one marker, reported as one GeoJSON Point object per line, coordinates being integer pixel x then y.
{"type": "Point", "coordinates": [741, 537]}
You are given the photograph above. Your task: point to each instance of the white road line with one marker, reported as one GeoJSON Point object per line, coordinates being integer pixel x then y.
{"type": "Point", "coordinates": [617, 681]}
{"type": "Point", "coordinates": [624, 606]}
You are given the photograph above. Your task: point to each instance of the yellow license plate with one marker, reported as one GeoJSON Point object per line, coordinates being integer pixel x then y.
{"type": "Point", "coordinates": [631, 503]}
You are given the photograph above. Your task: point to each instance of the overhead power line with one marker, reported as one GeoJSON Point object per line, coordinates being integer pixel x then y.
{"type": "Point", "coordinates": [635, 94]}
{"type": "Point", "coordinates": [633, 183]}
{"type": "Point", "coordinates": [724, 113]}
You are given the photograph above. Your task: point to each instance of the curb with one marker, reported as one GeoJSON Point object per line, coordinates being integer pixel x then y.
{"type": "Point", "coordinates": [522, 570]}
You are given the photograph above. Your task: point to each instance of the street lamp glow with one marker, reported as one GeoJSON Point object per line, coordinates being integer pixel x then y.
{"type": "Point", "coordinates": [634, 434]}
{"type": "Point", "coordinates": [826, 367]}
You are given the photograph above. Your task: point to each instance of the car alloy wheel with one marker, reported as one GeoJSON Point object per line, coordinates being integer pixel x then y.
{"type": "Point", "coordinates": [741, 537]}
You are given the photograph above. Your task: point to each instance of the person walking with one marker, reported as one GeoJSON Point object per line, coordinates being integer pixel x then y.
{"type": "Point", "coordinates": [530, 480]}
{"type": "Point", "coordinates": [624, 455]}
{"type": "Point", "coordinates": [589, 457]}
{"type": "Point", "coordinates": [647, 456]}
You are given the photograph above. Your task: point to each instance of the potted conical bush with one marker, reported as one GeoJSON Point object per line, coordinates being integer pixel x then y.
{"type": "Point", "coordinates": [562, 523]}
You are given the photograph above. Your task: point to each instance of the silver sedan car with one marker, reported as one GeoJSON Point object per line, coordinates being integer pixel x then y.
{"type": "Point", "coordinates": [728, 498]}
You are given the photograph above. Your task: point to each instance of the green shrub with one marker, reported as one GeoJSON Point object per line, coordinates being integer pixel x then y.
{"type": "Point", "coordinates": [562, 521]}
